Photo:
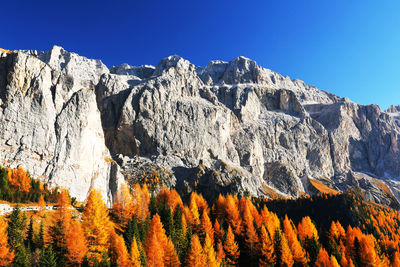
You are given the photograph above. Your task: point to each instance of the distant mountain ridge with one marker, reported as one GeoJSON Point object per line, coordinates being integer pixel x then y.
{"type": "Point", "coordinates": [227, 127]}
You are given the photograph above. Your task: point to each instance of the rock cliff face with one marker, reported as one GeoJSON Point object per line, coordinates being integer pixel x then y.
{"type": "Point", "coordinates": [50, 123]}
{"type": "Point", "coordinates": [227, 127]}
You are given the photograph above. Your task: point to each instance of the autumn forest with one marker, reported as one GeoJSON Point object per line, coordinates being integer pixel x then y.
{"type": "Point", "coordinates": [148, 227]}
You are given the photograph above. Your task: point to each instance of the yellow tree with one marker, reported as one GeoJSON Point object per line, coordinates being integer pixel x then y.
{"type": "Point", "coordinates": [96, 226]}
{"type": "Point", "coordinates": [232, 213]}
{"type": "Point", "coordinates": [210, 253]}
{"type": "Point", "coordinates": [218, 232]}
{"type": "Point", "coordinates": [323, 259]}
{"type": "Point", "coordinates": [123, 206]}
{"type": "Point", "coordinates": [306, 229]}
{"type": "Point", "coordinates": [156, 229]}
{"type": "Point", "coordinates": [206, 227]}
{"type": "Point", "coordinates": [298, 253]}
{"type": "Point", "coordinates": [20, 179]}
{"type": "Point", "coordinates": [219, 207]}
{"type": "Point", "coordinates": [286, 255]}
{"type": "Point", "coordinates": [196, 257]}
{"type": "Point", "coordinates": [135, 254]}
{"type": "Point", "coordinates": [267, 255]}
{"type": "Point", "coordinates": [119, 254]}
{"type": "Point", "coordinates": [336, 231]}
{"type": "Point", "coordinates": [170, 198]}
{"type": "Point", "coordinates": [220, 252]}
{"type": "Point", "coordinates": [368, 254]}
{"type": "Point", "coordinates": [194, 211]}
{"type": "Point", "coordinates": [200, 202]}
{"type": "Point", "coordinates": [270, 220]}
{"type": "Point", "coordinates": [231, 248]}
{"type": "Point", "coordinates": [61, 223]}
{"type": "Point", "coordinates": [249, 232]}
{"type": "Point", "coordinates": [334, 262]}
{"type": "Point", "coordinates": [154, 252]}
{"type": "Point", "coordinates": [170, 256]}
{"type": "Point", "coordinates": [76, 243]}
{"type": "Point", "coordinates": [184, 224]}
{"type": "Point", "coordinates": [63, 212]}
{"type": "Point", "coordinates": [42, 205]}
{"type": "Point", "coordinates": [6, 256]}
{"type": "Point", "coordinates": [141, 199]}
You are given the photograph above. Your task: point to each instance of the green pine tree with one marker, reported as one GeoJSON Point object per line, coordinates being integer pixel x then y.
{"type": "Point", "coordinates": [153, 205]}
{"type": "Point", "coordinates": [5, 192]}
{"type": "Point", "coordinates": [21, 257]}
{"type": "Point", "coordinates": [167, 220]}
{"type": "Point", "coordinates": [48, 257]}
{"type": "Point", "coordinates": [59, 242]}
{"type": "Point", "coordinates": [277, 246]}
{"type": "Point", "coordinates": [131, 230]}
{"type": "Point", "coordinates": [30, 236]}
{"type": "Point", "coordinates": [40, 237]}
{"type": "Point", "coordinates": [142, 254]}
{"type": "Point", "coordinates": [15, 229]}
{"type": "Point", "coordinates": [178, 236]}
{"type": "Point", "coordinates": [312, 247]}
{"type": "Point", "coordinates": [143, 229]}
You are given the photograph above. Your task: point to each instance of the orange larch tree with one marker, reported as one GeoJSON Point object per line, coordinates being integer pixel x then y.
{"type": "Point", "coordinates": [336, 231]}
{"type": "Point", "coordinates": [306, 229]}
{"type": "Point", "coordinates": [194, 211]}
{"type": "Point", "coordinates": [206, 227]}
{"type": "Point", "coordinates": [135, 254]}
{"type": "Point", "coordinates": [285, 253]}
{"type": "Point", "coordinates": [154, 252]}
{"type": "Point", "coordinates": [297, 250]}
{"type": "Point", "coordinates": [201, 203]}
{"type": "Point", "coordinates": [232, 214]}
{"type": "Point", "coordinates": [367, 252]}
{"type": "Point", "coordinates": [118, 252]}
{"type": "Point", "coordinates": [19, 178]}
{"type": "Point", "coordinates": [231, 248]}
{"type": "Point", "coordinates": [123, 206]}
{"type": "Point", "coordinates": [346, 262]}
{"type": "Point", "coordinates": [6, 256]}
{"type": "Point", "coordinates": [170, 198]}
{"type": "Point", "coordinates": [219, 207]}
{"type": "Point", "coordinates": [63, 212]}
{"type": "Point", "coordinates": [61, 223]}
{"type": "Point", "coordinates": [323, 259]}
{"type": "Point", "coordinates": [220, 252]}
{"type": "Point", "coordinates": [218, 232]}
{"type": "Point", "coordinates": [196, 257]}
{"type": "Point", "coordinates": [156, 229]}
{"type": "Point", "coordinates": [249, 232]}
{"type": "Point", "coordinates": [76, 243]}
{"type": "Point", "coordinates": [170, 256]}
{"type": "Point", "coordinates": [42, 205]}
{"type": "Point", "coordinates": [334, 262]}
{"type": "Point", "coordinates": [141, 199]}
{"type": "Point", "coordinates": [271, 221]}
{"type": "Point", "coordinates": [96, 226]}
{"type": "Point", "coordinates": [267, 255]}
{"type": "Point", "coordinates": [210, 253]}
{"type": "Point", "coordinates": [184, 224]}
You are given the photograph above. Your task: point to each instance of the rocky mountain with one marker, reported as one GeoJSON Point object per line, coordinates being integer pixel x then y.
{"type": "Point", "coordinates": [394, 111]}
{"type": "Point", "coordinates": [227, 127]}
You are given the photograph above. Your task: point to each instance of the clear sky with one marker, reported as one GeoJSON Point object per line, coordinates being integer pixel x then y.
{"type": "Point", "coordinates": [348, 47]}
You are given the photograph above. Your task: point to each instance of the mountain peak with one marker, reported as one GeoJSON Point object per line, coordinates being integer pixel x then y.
{"type": "Point", "coordinates": [173, 62]}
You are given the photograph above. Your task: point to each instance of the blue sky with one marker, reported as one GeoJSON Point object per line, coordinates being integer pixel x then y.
{"type": "Point", "coordinates": [350, 48]}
